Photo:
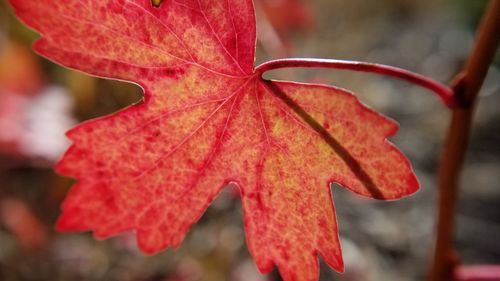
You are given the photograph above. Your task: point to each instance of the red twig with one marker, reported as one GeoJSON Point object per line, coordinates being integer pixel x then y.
{"type": "Point", "coordinates": [466, 88]}
{"type": "Point", "coordinates": [444, 92]}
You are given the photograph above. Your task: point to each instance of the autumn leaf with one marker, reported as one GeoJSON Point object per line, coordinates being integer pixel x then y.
{"type": "Point", "coordinates": [208, 119]}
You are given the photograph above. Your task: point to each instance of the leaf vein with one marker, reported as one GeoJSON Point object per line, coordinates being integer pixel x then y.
{"type": "Point", "coordinates": [191, 134]}
{"type": "Point", "coordinates": [219, 40]}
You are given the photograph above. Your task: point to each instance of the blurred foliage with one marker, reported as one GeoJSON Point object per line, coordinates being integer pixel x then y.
{"type": "Point", "coordinates": [381, 240]}
{"type": "Point", "coordinates": [470, 11]}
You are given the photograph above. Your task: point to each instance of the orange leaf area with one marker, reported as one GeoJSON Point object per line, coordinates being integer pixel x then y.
{"type": "Point", "coordinates": [208, 120]}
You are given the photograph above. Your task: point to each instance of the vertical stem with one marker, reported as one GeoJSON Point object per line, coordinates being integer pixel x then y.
{"type": "Point", "coordinates": [466, 88]}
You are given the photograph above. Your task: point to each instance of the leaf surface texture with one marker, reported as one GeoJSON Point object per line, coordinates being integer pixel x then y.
{"type": "Point", "coordinates": [207, 120]}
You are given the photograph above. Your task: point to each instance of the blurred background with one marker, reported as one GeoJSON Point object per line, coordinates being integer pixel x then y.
{"type": "Point", "coordinates": [386, 241]}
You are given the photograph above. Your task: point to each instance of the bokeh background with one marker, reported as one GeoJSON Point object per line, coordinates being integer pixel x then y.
{"type": "Point", "coordinates": [39, 101]}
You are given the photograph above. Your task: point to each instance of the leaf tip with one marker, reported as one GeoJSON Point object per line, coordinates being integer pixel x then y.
{"type": "Point", "coordinates": [413, 184]}
{"type": "Point", "coordinates": [65, 223]}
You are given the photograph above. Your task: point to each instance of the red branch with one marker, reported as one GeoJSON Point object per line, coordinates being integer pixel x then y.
{"type": "Point", "coordinates": [444, 92]}
{"type": "Point", "coordinates": [466, 87]}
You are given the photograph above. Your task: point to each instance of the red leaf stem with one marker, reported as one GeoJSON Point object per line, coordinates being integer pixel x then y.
{"type": "Point", "coordinates": [444, 92]}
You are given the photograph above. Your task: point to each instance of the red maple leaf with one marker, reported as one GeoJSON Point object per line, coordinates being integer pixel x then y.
{"type": "Point", "coordinates": [208, 119]}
